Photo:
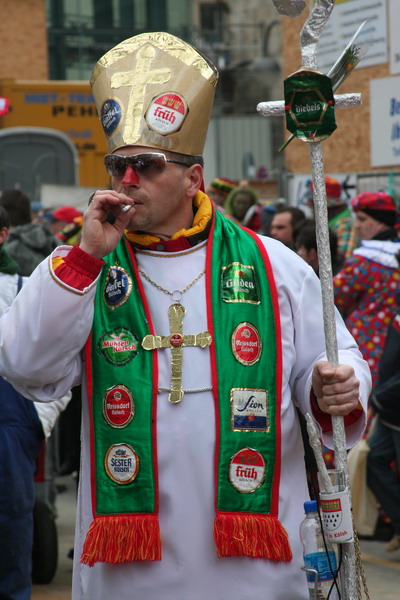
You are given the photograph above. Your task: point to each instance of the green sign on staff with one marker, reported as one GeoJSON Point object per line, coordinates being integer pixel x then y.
{"type": "Point", "coordinates": [309, 105]}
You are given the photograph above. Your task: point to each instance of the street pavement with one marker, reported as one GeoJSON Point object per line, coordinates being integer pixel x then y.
{"type": "Point", "coordinates": [382, 569]}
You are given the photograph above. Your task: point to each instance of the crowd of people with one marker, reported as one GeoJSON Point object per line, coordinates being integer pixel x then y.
{"type": "Point", "coordinates": [191, 442]}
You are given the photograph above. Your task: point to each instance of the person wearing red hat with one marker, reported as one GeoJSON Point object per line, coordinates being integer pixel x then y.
{"type": "Point", "coordinates": [365, 289]}
{"type": "Point", "coordinates": [340, 219]}
{"type": "Point", "coordinates": [62, 216]}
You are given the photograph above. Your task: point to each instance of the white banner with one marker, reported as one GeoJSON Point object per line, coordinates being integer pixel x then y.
{"type": "Point", "coordinates": [385, 121]}
{"type": "Point", "coordinates": [346, 17]}
{"type": "Point", "coordinates": [394, 39]}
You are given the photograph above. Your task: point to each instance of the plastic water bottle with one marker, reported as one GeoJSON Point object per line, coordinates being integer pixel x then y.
{"type": "Point", "coordinates": [316, 557]}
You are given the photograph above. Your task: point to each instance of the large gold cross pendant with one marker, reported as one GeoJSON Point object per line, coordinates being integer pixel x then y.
{"type": "Point", "coordinates": [176, 341]}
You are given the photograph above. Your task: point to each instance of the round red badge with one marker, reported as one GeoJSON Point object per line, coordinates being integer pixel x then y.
{"type": "Point", "coordinates": [176, 339]}
{"type": "Point", "coordinates": [166, 113]}
{"type": "Point", "coordinates": [118, 406]}
{"type": "Point", "coordinates": [246, 344]}
{"type": "Point", "coordinates": [247, 470]}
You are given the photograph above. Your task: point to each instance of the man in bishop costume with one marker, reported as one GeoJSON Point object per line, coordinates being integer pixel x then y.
{"type": "Point", "coordinates": [191, 337]}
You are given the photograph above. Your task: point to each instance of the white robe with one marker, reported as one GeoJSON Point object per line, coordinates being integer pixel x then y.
{"type": "Point", "coordinates": [49, 363]}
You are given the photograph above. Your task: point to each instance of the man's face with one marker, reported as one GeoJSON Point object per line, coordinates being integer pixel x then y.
{"type": "Point", "coordinates": [162, 205]}
{"type": "Point", "coordinates": [367, 227]}
{"type": "Point", "coordinates": [281, 228]}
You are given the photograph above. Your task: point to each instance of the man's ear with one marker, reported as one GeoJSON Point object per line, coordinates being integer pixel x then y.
{"type": "Point", "coordinates": [194, 180]}
{"type": "Point", "coordinates": [3, 234]}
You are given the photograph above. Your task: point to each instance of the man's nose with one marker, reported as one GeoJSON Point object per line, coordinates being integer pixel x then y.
{"type": "Point", "coordinates": [130, 177]}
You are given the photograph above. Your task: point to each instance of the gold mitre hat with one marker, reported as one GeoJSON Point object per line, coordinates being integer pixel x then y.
{"type": "Point", "coordinates": [155, 90]}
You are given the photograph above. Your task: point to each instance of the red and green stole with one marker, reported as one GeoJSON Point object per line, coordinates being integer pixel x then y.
{"type": "Point", "coordinates": [246, 363]}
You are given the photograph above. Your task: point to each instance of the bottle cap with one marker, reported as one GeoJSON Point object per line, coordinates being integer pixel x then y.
{"type": "Point", "coordinates": [310, 506]}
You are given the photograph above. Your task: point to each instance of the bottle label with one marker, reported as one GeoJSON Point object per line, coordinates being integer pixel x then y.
{"type": "Point", "coordinates": [319, 561]}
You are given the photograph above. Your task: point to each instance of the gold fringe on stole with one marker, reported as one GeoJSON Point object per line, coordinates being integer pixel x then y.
{"type": "Point", "coordinates": [119, 539]}
{"type": "Point", "coordinates": [254, 535]}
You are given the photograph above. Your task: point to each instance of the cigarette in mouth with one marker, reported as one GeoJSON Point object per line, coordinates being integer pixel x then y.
{"type": "Point", "coordinates": [126, 207]}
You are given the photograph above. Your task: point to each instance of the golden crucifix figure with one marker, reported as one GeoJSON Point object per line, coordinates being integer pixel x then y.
{"type": "Point", "coordinates": [176, 341]}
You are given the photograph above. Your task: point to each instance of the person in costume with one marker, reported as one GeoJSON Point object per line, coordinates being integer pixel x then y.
{"type": "Point", "coordinates": [66, 224]}
{"type": "Point", "coordinates": [190, 335]}
{"type": "Point", "coordinates": [218, 191]}
{"type": "Point", "coordinates": [238, 205]}
{"type": "Point", "coordinates": [365, 289]}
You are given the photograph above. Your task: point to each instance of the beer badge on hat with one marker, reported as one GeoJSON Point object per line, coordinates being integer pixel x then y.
{"type": "Point", "coordinates": [246, 344]}
{"type": "Point", "coordinates": [110, 115]}
{"type": "Point", "coordinates": [118, 406]}
{"type": "Point", "coordinates": [247, 470]}
{"type": "Point", "coordinates": [249, 409]}
{"type": "Point", "coordinates": [121, 463]}
{"type": "Point", "coordinates": [239, 284]}
{"type": "Point", "coordinates": [118, 346]}
{"type": "Point", "coordinates": [117, 287]}
{"type": "Point", "coordinates": [166, 113]}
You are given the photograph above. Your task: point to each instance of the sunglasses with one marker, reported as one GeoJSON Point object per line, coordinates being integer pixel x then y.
{"type": "Point", "coordinates": [148, 163]}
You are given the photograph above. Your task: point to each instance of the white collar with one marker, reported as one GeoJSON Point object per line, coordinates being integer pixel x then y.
{"type": "Point", "coordinates": [380, 251]}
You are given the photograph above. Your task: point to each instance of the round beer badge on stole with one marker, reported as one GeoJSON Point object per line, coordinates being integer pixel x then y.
{"type": "Point", "coordinates": [118, 406]}
{"type": "Point", "coordinates": [121, 463]}
{"type": "Point", "coordinates": [247, 470]}
{"type": "Point", "coordinates": [166, 113]}
{"type": "Point", "coordinates": [246, 344]}
{"type": "Point", "coordinates": [117, 288]}
{"type": "Point", "coordinates": [118, 346]}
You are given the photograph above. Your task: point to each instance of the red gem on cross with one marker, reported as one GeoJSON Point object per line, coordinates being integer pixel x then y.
{"type": "Point", "coordinates": [176, 339]}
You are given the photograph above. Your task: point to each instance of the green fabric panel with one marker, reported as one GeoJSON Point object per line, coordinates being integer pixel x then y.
{"type": "Point", "coordinates": [139, 495]}
{"type": "Point", "coordinates": [233, 244]}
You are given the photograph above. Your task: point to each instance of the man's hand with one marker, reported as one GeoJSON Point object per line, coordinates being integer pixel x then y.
{"type": "Point", "coordinates": [336, 390]}
{"type": "Point", "coordinates": [99, 236]}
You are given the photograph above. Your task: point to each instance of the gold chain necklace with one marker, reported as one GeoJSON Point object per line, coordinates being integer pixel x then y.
{"type": "Point", "coordinates": [176, 295]}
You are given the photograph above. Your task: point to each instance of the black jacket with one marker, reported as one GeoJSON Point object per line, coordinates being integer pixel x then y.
{"type": "Point", "coordinates": [385, 399]}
